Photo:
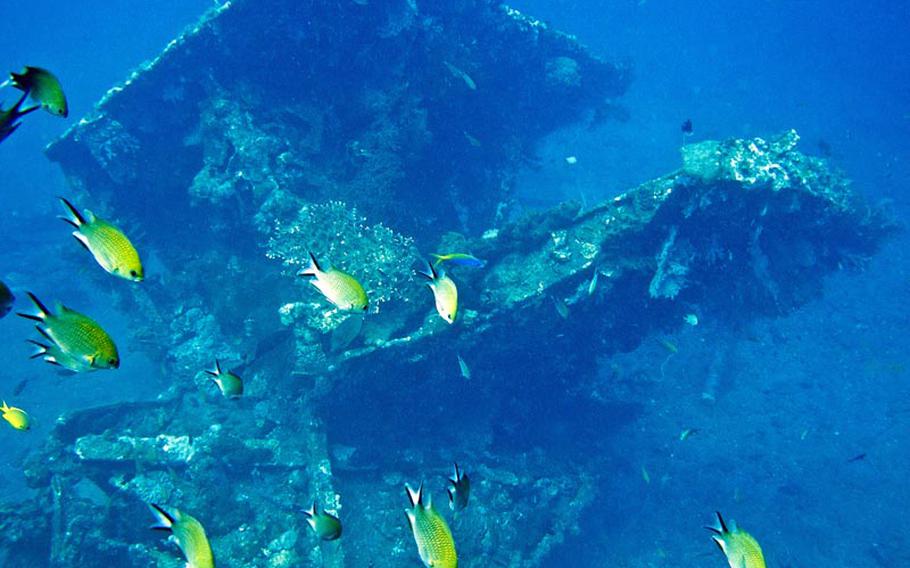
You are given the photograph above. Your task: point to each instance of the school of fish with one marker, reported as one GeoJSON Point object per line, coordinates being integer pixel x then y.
{"type": "Point", "coordinates": [76, 343]}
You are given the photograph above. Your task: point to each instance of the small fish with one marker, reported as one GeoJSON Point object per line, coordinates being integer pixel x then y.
{"type": "Point", "coordinates": [340, 288]}
{"type": "Point", "coordinates": [691, 319]}
{"type": "Point", "coordinates": [460, 490]}
{"type": "Point", "coordinates": [326, 525]}
{"type": "Point", "coordinates": [458, 259]}
{"type": "Point", "coordinates": [75, 341]}
{"type": "Point", "coordinates": [856, 458]}
{"type": "Point", "coordinates": [463, 367]}
{"type": "Point", "coordinates": [230, 385]}
{"type": "Point", "coordinates": [435, 544]}
{"type": "Point", "coordinates": [444, 292]}
{"type": "Point", "coordinates": [645, 475]}
{"type": "Point", "coordinates": [472, 140]}
{"type": "Point", "coordinates": [16, 417]}
{"type": "Point", "coordinates": [6, 300]}
{"type": "Point", "coordinates": [189, 534]}
{"type": "Point", "coordinates": [571, 160]}
{"type": "Point", "coordinates": [804, 434]}
{"type": "Point", "coordinates": [20, 386]}
{"type": "Point", "coordinates": [669, 345]}
{"type": "Point", "coordinates": [592, 285]}
{"type": "Point", "coordinates": [686, 126]}
{"type": "Point", "coordinates": [684, 435]}
{"type": "Point", "coordinates": [456, 72]}
{"type": "Point", "coordinates": [740, 548]}
{"type": "Point", "coordinates": [346, 332]}
{"type": "Point", "coordinates": [561, 308]}
{"type": "Point", "coordinates": [9, 118]}
{"type": "Point", "coordinates": [43, 88]}
{"type": "Point", "coordinates": [110, 247]}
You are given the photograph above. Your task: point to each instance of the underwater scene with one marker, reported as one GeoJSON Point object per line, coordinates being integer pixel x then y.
{"type": "Point", "coordinates": [404, 283]}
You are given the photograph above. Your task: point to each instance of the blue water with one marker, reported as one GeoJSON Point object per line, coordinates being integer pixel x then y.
{"type": "Point", "coordinates": [795, 398]}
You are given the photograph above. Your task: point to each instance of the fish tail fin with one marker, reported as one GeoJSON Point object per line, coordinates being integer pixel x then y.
{"type": "Point", "coordinates": [216, 371]}
{"type": "Point", "coordinates": [415, 497]}
{"type": "Point", "coordinates": [42, 309]}
{"type": "Point", "coordinates": [311, 515]}
{"type": "Point", "coordinates": [4, 408]}
{"type": "Point", "coordinates": [455, 477]}
{"type": "Point", "coordinates": [313, 268]}
{"type": "Point", "coordinates": [430, 272]}
{"type": "Point", "coordinates": [77, 219]}
{"type": "Point", "coordinates": [451, 493]}
{"type": "Point", "coordinates": [42, 349]}
{"type": "Point", "coordinates": [17, 111]}
{"type": "Point", "coordinates": [164, 519]}
{"type": "Point", "coordinates": [721, 527]}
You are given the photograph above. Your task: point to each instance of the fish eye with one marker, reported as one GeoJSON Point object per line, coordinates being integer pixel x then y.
{"type": "Point", "coordinates": [133, 273]}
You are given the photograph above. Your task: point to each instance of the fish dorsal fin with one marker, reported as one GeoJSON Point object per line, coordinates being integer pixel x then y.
{"type": "Point", "coordinates": [90, 217]}
{"type": "Point", "coordinates": [415, 497]}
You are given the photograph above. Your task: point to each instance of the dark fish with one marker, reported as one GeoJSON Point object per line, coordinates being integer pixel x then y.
{"type": "Point", "coordinates": [9, 118]}
{"type": "Point", "coordinates": [6, 299]}
{"type": "Point", "coordinates": [324, 524]}
{"type": "Point", "coordinates": [856, 458]}
{"type": "Point", "coordinates": [460, 490]}
{"type": "Point", "coordinates": [687, 126]}
{"type": "Point", "coordinates": [43, 88]}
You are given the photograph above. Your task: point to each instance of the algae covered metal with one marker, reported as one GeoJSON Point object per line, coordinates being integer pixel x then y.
{"type": "Point", "coordinates": [373, 159]}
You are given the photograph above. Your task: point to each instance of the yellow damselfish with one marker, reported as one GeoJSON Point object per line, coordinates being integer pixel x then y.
{"type": "Point", "coordinates": [16, 417]}
{"type": "Point", "coordinates": [435, 544]}
{"type": "Point", "coordinates": [74, 341]}
{"type": "Point", "coordinates": [189, 534]}
{"type": "Point", "coordinates": [740, 548]}
{"type": "Point", "coordinates": [110, 247]}
{"type": "Point", "coordinates": [338, 287]}
{"type": "Point", "coordinates": [444, 292]}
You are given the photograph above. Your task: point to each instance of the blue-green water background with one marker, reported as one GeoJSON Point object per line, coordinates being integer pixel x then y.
{"type": "Point", "coordinates": [808, 392]}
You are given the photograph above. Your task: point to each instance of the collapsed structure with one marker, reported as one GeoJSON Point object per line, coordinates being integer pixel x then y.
{"type": "Point", "coordinates": [270, 130]}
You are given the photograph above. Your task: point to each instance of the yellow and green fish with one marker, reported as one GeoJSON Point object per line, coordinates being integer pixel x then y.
{"type": "Point", "coordinates": [444, 291]}
{"type": "Point", "coordinates": [740, 548]}
{"type": "Point", "coordinates": [189, 534]}
{"type": "Point", "coordinates": [110, 247]}
{"type": "Point", "coordinates": [435, 544]}
{"type": "Point", "coordinates": [74, 341]}
{"type": "Point", "coordinates": [16, 417]}
{"type": "Point", "coordinates": [326, 525]}
{"type": "Point", "coordinates": [43, 88]}
{"type": "Point", "coordinates": [229, 383]}
{"type": "Point", "coordinates": [338, 287]}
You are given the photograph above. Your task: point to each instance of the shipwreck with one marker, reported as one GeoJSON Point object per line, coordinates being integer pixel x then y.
{"type": "Point", "coordinates": [268, 130]}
